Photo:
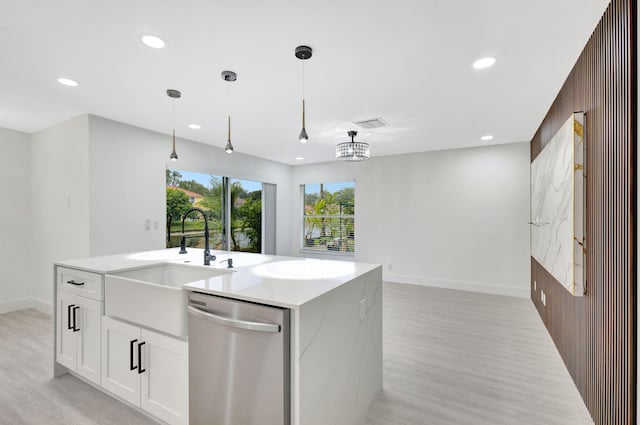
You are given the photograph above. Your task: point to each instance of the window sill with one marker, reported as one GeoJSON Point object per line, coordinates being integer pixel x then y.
{"type": "Point", "coordinates": [327, 253]}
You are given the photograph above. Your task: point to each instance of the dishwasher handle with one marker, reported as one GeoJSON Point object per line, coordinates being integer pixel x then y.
{"type": "Point", "coordinates": [234, 323]}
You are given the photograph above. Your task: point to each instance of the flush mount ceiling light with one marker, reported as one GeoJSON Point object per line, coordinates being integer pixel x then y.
{"type": "Point", "coordinates": [484, 63]}
{"type": "Point", "coordinates": [229, 76]}
{"type": "Point", "coordinates": [486, 138]}
{"type": "Point", "coordinates": [68, 82]}
{"type": "Point", "coordinates": [299, 158]}
{"type": "Point", "coordinates": [195, 126]}
{"type": "Point", "coordinates": [174, 94]}
{"type": "Point", "coordinates": [152, 41]}
{"type": "Point", "coordinates": [303, 53]}
{"type": "Point", "coordinates": [352, 151]}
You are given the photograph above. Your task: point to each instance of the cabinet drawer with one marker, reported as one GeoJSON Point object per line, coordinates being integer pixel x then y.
{"type": "Point", "coordinates": [87, 284]}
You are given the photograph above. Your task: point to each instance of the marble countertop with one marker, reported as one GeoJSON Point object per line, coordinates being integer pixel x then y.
{"type": "Point", "coordinates": [269, 279]}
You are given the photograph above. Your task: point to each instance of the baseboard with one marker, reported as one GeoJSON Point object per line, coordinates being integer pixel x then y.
{"type": "Point", "coordinates": [43, 306]}
{"type": "Point", "coordinates": [13, 305]}
{"type": "Point", "coordinates": [22, 303]}
{"type": "Point", "coordinates": [485, 288]}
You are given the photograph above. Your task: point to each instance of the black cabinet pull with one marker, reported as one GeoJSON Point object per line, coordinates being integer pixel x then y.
{"type": "Point", "coordinates": [76, 308]}
{"type": "Point", "coordinates": [140, 369]}
{"type": "Point", "coordinates": [131, 344]}
{"type": "Point", "coordinates": [73, 282]}
{"type": "Point", "coordinates": [69, 307]}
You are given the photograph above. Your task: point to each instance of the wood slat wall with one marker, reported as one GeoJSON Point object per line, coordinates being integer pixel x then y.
{"type": "Point", "coordinates": [596, 334]}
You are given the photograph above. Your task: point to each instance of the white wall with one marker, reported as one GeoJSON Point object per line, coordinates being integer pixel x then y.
{"type": "Point", "coordinates": [450, 218]}
{"type": "Point", "coordinates": [15, 228]}
{"type": "Point", "coordinates": [127, 178]}
{"type": "Point", "coordinates": [59, 201]}
{"type": "Point", "coordinates": [456, 219]}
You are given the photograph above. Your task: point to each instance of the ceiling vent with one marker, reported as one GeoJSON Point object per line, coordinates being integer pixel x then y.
{"type": "Point", "coordinates": [371, 123]}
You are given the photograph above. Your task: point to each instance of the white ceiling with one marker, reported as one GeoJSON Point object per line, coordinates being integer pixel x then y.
{"type": "Point", "coordinates": [406, 61]}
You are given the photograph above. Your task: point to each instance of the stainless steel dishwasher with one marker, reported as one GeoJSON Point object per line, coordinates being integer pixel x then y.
{"type": "Point", "coordinates": [239, 368]}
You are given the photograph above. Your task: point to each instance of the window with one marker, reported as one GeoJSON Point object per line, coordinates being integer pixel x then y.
{"type": "Point", "coordinates": [246, 215]}
{"type": "Point", "coordinates": [219, 197]}
{"type": "Point", "coordinates": [328, 217]}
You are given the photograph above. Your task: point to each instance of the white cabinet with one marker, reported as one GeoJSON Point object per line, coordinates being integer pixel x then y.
{"type": "Point", "coordinates": [78, 334]}
{"type": "Point", "coordinates": [120, 373]}
{"type": "Point", "coordinates": [147, 369]}
{"type": "Point", "coordinates": [165, 385]}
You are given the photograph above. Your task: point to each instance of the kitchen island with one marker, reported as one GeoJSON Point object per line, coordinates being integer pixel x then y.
{"type": "Point", "coordinates": [335, 333]}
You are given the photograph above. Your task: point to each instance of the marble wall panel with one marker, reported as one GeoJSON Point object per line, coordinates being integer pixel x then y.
{"type": "Point", "coordinates": [557, 205]}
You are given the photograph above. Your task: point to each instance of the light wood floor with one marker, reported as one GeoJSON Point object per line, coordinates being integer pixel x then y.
{"type": "Point", "coordinates": [458, 358]}
{"type": "Point", "coordinates": [451, 357]}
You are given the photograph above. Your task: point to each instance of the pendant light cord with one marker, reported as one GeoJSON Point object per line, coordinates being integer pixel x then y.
{"type": "Point", "coordinates": [303, 109]}
{"type": "Point", "coordinates": [229, 111]}
{"type": "Point", "coordinates": [173, 112]}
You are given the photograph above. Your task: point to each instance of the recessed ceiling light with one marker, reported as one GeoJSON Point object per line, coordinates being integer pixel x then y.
{"type": "Point", "coordinates": [299, 158]}
{"type": "Point", "coordinates": [194, 126]}
{"type": "Point", "coordinates": [484, 63]}
{"type": "Point", "coordinates": [67, 82]}
{"type": "Point", "coordinates": [486, 138]}
{"type": "Point", "coordinates": [152, 41]}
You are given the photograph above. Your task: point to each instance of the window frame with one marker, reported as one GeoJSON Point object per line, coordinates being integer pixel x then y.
{"type": "Point", "coordinates": [302, 248]}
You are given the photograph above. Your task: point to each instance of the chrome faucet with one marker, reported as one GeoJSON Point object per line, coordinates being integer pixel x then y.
{"type": "Point", "coordinates": [207, 254]}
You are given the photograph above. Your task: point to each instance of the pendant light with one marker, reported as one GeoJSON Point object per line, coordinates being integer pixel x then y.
{"type": "Point", "coordinates": [229, 147]}
{"type": "Point", "coordinates": [230, 77]}
{"type": "Point", "coordinates": [352, 151]}
{"type": "Point", "coordinates": [174, 94]}
{"type": "Point", "coordinates": [303, 53]}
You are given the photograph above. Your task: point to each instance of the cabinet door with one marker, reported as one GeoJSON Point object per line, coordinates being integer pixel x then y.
{"type": "Point", "coordinates": [65, 336]}
{"type": "Point", "coordinates": [165, 383]}
{"type": "Point", "coordinates": [120, 359]}
{"type": "Point", "coordinates": [88, 344]}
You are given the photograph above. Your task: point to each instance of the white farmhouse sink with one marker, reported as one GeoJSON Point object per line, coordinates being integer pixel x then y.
{"type": "Point", "coordinates": [153, 296]}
